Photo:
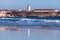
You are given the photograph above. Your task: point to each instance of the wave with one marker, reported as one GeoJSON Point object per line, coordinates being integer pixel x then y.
{"type": "Point", "coordinates": [38, 20]}
{"type": "Point", "coordinates": [31, 22]}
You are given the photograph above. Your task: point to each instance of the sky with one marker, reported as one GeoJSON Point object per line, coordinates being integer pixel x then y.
{"type": "Point", "coordinates": [35, 4]}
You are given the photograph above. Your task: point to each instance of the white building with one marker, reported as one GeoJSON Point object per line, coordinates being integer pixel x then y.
{"type": "Point", "coordinates": [28, 7]}
{"type": "Point", "coordinates": [3, 13]}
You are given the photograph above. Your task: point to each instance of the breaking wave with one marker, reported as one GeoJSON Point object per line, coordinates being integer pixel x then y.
{"type": "Point", "coordinates": [30, 22]}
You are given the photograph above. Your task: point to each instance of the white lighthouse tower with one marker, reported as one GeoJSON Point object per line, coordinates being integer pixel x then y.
{"type": "Point", "coordinates": [28, 7]}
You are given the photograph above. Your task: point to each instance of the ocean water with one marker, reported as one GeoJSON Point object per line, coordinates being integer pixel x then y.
{"type": "Point", "coordinates": [28, 22]}
{"type": "Point", "coordinates": [29, 29]}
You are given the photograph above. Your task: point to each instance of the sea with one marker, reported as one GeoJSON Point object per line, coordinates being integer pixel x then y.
{"type": "Point", "coordinates": [29, 29]}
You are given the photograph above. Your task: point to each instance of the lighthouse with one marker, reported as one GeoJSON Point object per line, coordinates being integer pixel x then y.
{"type": "Point", "coordinates": [28, 7]}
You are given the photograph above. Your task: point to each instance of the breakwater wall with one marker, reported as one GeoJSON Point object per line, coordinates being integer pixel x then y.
{"type": "Point", "coordinates": [32, 13]}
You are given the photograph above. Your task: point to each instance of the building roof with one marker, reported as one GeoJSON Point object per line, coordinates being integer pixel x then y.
{"type": "Point", "coordinates": [44, 9]}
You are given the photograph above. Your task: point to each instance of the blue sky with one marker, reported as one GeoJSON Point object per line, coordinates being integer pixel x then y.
{"type": "Point", "coordinates": [22, 4]}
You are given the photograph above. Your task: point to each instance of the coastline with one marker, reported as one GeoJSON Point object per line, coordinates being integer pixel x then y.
{"type": "Point", "coordinates": [15, 28]}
